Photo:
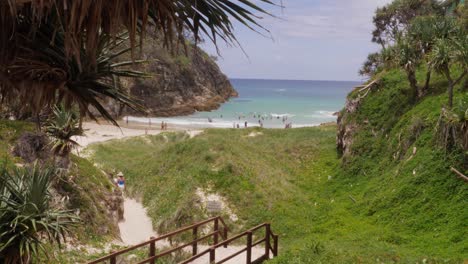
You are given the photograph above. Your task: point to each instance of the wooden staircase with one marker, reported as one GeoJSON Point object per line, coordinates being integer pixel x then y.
{"type": "Point", "coordinates": [218, 237]}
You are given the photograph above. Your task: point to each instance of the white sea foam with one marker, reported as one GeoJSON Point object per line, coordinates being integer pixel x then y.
{"type": "Point", "coordinates": [189, 122]}
{"type": "Point", "coordinates": [282, 115]}
{"type": "Point", "coordinates": [280, 90]}
{"type": "Point", "coordinates": [322, 114]}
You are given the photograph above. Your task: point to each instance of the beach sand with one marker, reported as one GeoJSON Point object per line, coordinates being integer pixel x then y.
{"type": "Point", "coordinates": [104, 131]}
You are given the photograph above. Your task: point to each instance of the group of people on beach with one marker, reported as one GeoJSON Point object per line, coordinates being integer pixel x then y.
{"type": "Point", "coordinates": [261, 119]}
{"type": "Point", "coordinates": [163, 125]}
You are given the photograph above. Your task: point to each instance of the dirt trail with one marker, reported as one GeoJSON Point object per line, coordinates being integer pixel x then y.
{"type": "Point", "coordinates": [136, 226]}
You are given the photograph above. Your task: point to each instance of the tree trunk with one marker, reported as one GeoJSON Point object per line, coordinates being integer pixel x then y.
{"type": "Point", "coordinates": [413, 84]}
{"type": "Point", "coordinates": [450, 87]}
{"type": "Point", "coordinates": [38, 122]}
{"type": "Point", "coordinates": [426, 84]}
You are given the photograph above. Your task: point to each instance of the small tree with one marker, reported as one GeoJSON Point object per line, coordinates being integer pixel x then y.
{"type": "Point", "coordinates": [393, 20]}
{"type": "Point", "coordinates": [61, 128]}
{"type": "Point", "coordinates": [406, 55]}
{"type": "Point", "coordinates": [425, 31]}
{"type": "Point", "coordinates": [446, 53]}
{"type": "Point", "coordinates": [26, 218]}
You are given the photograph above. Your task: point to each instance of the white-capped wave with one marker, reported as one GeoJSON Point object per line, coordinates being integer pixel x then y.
{"type": "Point", "coordinates": [282, 115]}
{"type": "Point", "coordinates": [322, 114]}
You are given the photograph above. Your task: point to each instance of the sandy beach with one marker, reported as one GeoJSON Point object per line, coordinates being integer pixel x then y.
{"type": "Point", "coordinates": [103, 131]}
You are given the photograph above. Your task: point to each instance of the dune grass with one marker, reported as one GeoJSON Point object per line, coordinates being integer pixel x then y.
{"type": "Point", "coordinates": [293, 179]}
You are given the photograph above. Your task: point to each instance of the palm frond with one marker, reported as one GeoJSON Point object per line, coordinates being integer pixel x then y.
{"type": "Point", "coordinates": [26, 215]}
{"type": "Point", "coordinates": [55, 51]}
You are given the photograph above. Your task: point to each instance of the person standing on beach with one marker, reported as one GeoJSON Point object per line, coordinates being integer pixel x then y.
{"type": "Point", "coordinates": [245, 124]}
{"type": "Point", "coordinates": [162, 125]}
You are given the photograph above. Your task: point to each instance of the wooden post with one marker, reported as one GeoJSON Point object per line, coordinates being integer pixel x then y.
{"type": "Point", "coordinates": [267, 241]}
{"type": "Point", "coordinates": [195, 237]}
{"type": "Point", "coordinates": [113, 259]}
{"type": "Point", "coordinates": [152, 250]}
{"type": "Point", "coordinates": [275, 245]}
{"type": "Point", "coordinates": [216, 230]}
{"type": "Point", "coordinates": [249, 248]}
{"type": "Point", "coordinates": [212, 255]}
{"type": "Point", "coordinates": [225, 236]}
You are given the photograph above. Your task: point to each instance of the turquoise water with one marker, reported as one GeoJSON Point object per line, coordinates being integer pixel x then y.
{"type": "Point", "coordinates": [274, 103]}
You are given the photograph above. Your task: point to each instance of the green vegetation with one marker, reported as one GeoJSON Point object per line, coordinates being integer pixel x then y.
{"type": "Point", "coordinates": [10, 131]}
{"type": "Point", "coordinates": [27, 218]}
{"type": "Point", "coordinates": [392, 200]}
{"type": "Point", "coordinates": [84, 189]}
{"type": "Point", "coordinates": [61, 127]}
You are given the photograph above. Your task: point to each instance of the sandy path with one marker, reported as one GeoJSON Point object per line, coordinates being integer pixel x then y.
{"type": "Point", "coordinates": [136, 226]}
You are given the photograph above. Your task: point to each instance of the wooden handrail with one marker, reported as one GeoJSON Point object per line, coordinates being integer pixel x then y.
{"type": "Point", "coordinates": [113, 255]}
{"type": "Point", "coordinates": [218, 231]}
{"type": "Point", "coordinates": [250, 244]}
{"type": "Point", "coordinates": [169, 251]}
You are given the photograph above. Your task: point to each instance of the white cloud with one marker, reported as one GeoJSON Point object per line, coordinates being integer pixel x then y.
{"type": "Point", "coordinates": [326, 19]}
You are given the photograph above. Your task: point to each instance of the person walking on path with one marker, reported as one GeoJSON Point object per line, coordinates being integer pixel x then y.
{"type": "Point", "coordinates": [120, 181]}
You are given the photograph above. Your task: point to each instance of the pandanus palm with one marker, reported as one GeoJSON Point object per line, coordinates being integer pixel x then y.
{"type": "Point", "coordinates": [446, 53]}
{"type": "Point", "coordinates": [424, 33]}
{"type": "Point", "coordinates": [26, 217]}
{"type": "Point", "coordinates": [62, 127]}
{"type": "Point", "coordinates": [407, 56]}
{"type": "Point", "coordinates": [50, 50]}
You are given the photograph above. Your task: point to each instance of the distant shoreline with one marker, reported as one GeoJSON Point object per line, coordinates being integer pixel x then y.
{"type": "Point", "coordinates": [178, 123]}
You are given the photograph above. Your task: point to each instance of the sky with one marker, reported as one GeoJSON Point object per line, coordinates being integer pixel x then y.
{"type": "Point", "coordinates": [310, 40]}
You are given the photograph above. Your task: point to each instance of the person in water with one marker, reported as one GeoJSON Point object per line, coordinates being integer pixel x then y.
{"type": "Point", "coordinates": [120, 181]}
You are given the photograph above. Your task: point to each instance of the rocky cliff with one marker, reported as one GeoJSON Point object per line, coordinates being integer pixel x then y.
{"type": "Point", "coordinates": [180, 83]}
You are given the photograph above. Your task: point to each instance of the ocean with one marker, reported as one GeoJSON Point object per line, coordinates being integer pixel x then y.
{"type": "Point", "coordinates": [271, 103]}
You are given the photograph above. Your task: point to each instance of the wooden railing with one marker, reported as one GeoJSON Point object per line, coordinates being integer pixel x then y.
{"type": "Point", "coordinates": [220, 229]}
{"type": "Point", "coordinates": [269, 235]}
{"type": "Point", "coordinates": [151, 244]}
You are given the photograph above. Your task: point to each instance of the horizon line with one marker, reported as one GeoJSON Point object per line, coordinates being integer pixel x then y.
{"type": "Point", "coordinates": [275, 79]}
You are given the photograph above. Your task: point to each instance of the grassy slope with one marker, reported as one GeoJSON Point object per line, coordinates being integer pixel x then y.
{"type": "Point", "coordinates": [282, 177]}
{"type": "Point", "coordinates": [404, 210]}
{"type": "Point", "coordinates": [86, 191]}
